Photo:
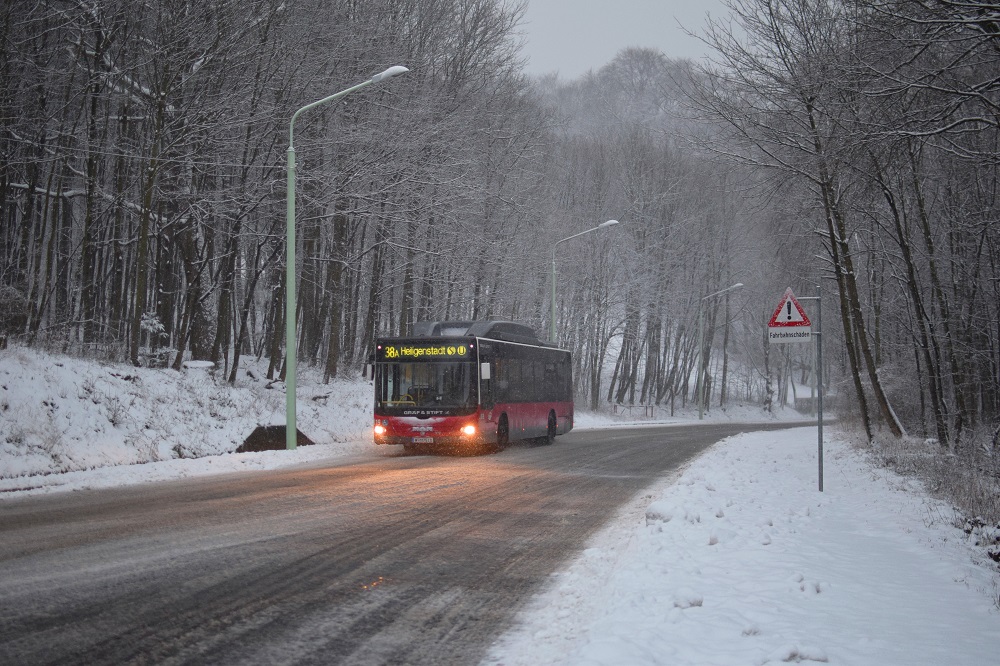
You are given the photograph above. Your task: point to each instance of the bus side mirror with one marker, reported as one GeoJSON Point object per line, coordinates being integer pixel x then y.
{"type": "Point", "coordinates": [484, 370]}
{"type": "Point", "coordinates": [369, 372]}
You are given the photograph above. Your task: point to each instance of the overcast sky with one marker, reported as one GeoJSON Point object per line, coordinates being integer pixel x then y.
{"type": "Point", "coordinates": [574, 36]}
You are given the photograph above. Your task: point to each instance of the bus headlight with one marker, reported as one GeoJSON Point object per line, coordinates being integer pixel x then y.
{"type": "Point", "coordinates": [379, 430]}
{"type": "Point", "coordinates": [469, 430]}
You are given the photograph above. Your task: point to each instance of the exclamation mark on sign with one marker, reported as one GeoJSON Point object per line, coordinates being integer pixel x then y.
{"type": "Point", "coordinates": [789, 304]}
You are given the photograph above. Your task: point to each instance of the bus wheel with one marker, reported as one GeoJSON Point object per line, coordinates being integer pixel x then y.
{"type": "Point", "coordinates": [550, 434]}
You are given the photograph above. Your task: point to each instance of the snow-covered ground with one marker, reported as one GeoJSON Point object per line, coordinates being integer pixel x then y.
{"type": "Point", "coordinates": [740, 560]}
{"type": "Point", "coordinates": [736, 560]}
{"type": "Point", "coordinates": [67, 423]}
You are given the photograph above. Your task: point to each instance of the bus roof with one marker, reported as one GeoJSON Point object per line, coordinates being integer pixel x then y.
{"type": "Point", "coordinates": [508, 331]}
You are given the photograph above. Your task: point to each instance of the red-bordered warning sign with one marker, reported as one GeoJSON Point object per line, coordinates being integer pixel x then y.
{"type": "Point", "coordinates": [789, 323]}
{"type": "Point", "coordinates": [789, 312]}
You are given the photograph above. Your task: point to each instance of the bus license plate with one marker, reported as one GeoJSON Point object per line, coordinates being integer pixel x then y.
{"type": "Point", "coordinates": [423, 440]}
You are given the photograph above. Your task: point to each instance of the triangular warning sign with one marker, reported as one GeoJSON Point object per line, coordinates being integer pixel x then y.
{"type": "Point", "coordinates": [788, 312]}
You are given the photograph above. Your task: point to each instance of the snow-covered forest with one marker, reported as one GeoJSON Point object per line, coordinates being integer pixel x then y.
{"type": "Point", "coordinates": [842, 143]}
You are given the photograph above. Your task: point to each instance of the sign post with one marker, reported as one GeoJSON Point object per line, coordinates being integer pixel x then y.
{"type": "Point", "coordinates": [789, 323]}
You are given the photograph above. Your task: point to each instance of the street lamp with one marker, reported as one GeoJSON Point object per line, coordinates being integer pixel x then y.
{"type": "Point", "coordinates": [290, 361]}
{"type": "Point", "coordinates": [552, 323]}
{"type": "Point", "coordinates": [699, 386]}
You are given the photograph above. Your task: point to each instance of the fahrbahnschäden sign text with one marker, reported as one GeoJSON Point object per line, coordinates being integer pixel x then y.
{"type": "Point", "coordinates": [789, 335]}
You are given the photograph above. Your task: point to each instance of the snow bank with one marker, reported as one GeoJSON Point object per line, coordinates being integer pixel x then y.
{"type": "Point", "coordinates": [741, 560]}
{"type": "Point", "coordinates": [60, 414]}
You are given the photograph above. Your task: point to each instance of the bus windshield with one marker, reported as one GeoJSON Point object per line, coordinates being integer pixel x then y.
{"type": "Point", "coordinates": [430, 387]}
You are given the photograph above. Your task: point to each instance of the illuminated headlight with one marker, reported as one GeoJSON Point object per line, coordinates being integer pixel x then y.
{"type": "Point", "coordinates": [469, 430]}
{"type": "Point", "coordinates": [379, 430]}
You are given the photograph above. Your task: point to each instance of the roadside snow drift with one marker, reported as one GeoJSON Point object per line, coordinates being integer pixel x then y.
{"type": "Point", "coordinates": [742, 561]}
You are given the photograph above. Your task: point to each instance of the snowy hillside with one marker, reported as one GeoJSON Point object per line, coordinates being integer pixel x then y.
{"type": "Point", "coordinates": [61, 414]}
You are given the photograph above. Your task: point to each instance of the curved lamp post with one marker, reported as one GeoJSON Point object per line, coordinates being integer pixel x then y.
{"type": "Point", "coordinates": [552, 323]}
{"type": "Point", "coordinates": [290, 328]}
{"type": "Point", "coordinates": [700, 384]}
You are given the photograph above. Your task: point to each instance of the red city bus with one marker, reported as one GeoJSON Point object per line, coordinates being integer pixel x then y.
{"type": "Point", "coordinates": [470, 386]}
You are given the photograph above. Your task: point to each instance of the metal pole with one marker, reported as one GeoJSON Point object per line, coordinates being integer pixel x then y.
{"type": "Point", "coordinates": [291, 429]}
{"type": "Point", "coordinates": [699, 382]}
{"type": "Point", "coordinates": [819, 379]}
{"type": "Point", "coordinates": [552, 324]}
{"type": "Point", "coordinates": [701, 354]}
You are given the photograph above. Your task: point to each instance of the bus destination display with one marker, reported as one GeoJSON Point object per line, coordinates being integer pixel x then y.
{"type": "Point", "coordinates": [411, 352]}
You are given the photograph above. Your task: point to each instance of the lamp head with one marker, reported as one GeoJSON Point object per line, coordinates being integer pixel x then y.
{"type": "Point", "coordinates": [395, 70]}
{"type": "Point", "coordinates": [607, 224]}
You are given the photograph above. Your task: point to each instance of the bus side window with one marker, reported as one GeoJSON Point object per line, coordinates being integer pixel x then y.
{"type": "Point", "coordinates": [501, 381]}
{"type": "Point", "coordinates": [536, 389]}
{"type": "Point", "coordinates": [564, 370]}
{"type": "Point", "coordinates": [512, 375]}
{"type": "Point", "coordinates": [550, 385]}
